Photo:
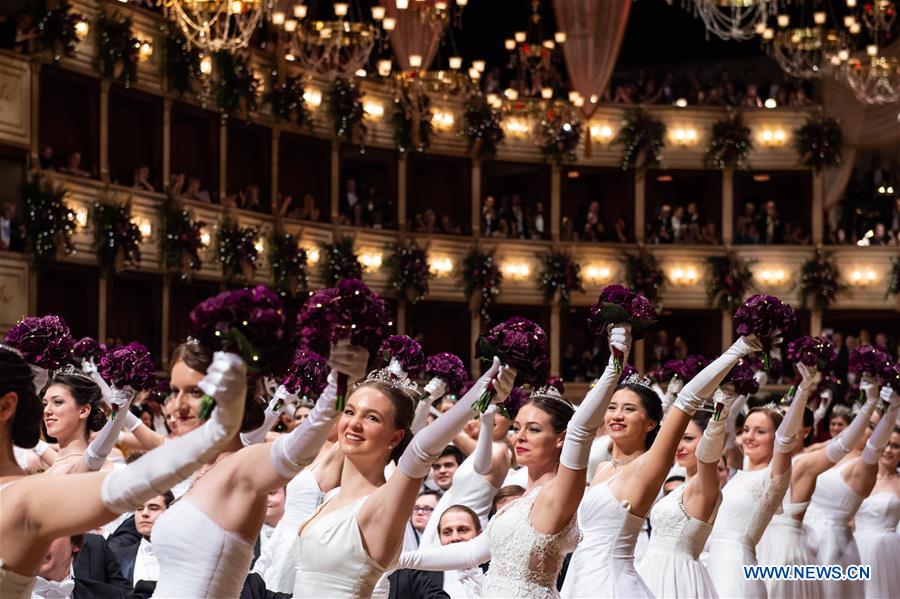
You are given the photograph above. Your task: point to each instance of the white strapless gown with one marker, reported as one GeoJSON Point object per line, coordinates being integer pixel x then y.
{"type": "Point", "coordinates": [525, 563]}
{"type": "Point", "coordinates": [879, 544]}
{"type": "Point", "coordinates": [603, 563]}
{"type": "Point", "coordinates": [333, 561]}
{"type": "Point", "coordinates": [197, 557]}
{"type": "Point", "coordinates": [671, 566]}
{"type": "Point", "coordinates": [827, 525]}
{"type": "Point", "coordinates": [749, 500]}
{"type": "Point", "coordinates": [785, 543]}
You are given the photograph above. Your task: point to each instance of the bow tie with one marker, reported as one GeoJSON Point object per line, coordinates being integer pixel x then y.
{"type": "Point", "coordinates": [50, 589]}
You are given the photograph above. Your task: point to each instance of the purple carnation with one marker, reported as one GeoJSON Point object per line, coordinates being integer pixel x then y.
{"type": "Point", "coordinates": [521, 344]}
{"type": "Point", "coordinates": [406, 351]}
{"type": "Point", "coordinates": [673, 368]}
{"type": "Point", "coordinates": [557, 383]}
{"type": "Point", "coordinates": [741, 377]}
{"type": "Point", "coordinates": [515, 401]}
{"type": "Point", "coordinates": [627, 371]}
{"type": "Point", "coordinates": [684, 369]}
{"type": "Point", "coordinates": [762, 315]}
{"type": "Point", "coordinates": [812, 351]}
{"type": "Point", "coordinates": [307, 375]}
{"type": "Point", "coordinates": [348, 311]}
{"type": "Point", "coordinates": [44, 341]}
{"type": "Point", "coordinates": [835, 383]}
{"type": "Point", "coordinates": [890, 375]}
{"type": "Point", "coordinates": [620, 304]}
{"type": "Point", "coordinates": [869, 359]}
{"type": "Point", "coordinates": [129, 366]}
{"type": "Point", "coordinates": [312, 323]}
{"type": "Point", "coordinates": [249, 322]}
{"type": "Point", "coordinates": [87, 348]}
{"type": "Point", "coordinates": [449, 368]}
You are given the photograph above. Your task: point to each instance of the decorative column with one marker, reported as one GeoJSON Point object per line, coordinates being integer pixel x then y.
{"type": "Point", "coordinates": [335, 181]}
{"type": "Point", "coordinates": [640, 205]}
{"type": "Point", "coordinates": [637, 351]}
{"type": "Point", "coordinates": [727, 326]}
{"type": "Point", "coordinates": [35, 123]}
{"type": "Point", "coordinates": [555, 202]}
{"type": "Point", "coordinates": [401, 316]}
{"type": "Point", "coordinates": [815, 322]}
{"type": "Point", "coordinates": [223, 158]}
{"type": "Point", "coordinates": [101, 306]}
{"type": "Point", "coordinates": [474, 331]}
{"type": "Point", "coordinates": [276, 136]}
{"type": "Point", "coordinates": [166, 309]}
{"type": "Point", "coordinates": [728, 206]}
{"type": "Point", "coordinates": [476, 197]}
{"type": "Point", "coordinates": [402, 166]}
{"type": "Point", "coordinates": [104, 130]}
{"type": "Point", "coordinates": [166, 147]}
{"type": "Point", "coordinates": [818, 209]}
{"type": "Point", "coordinates": [555, 339]}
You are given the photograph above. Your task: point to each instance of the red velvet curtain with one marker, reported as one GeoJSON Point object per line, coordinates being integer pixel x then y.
{"type": "Point", "coordinates": [594, 31]}
{"type": "Point", "coordinates": [415, 33]}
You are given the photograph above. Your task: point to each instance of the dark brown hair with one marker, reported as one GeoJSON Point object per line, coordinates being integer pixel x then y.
{"type": "Point", "coordinates": [194, 355]}
{"type": "Point", "coordinates": [17, 377]}
{"type": "Point", "coordinates": [774, 414]}
{"type": "Point", "coordinates": [404, 411]}
{"type": "Point", "coordinates": [476, 521]}
{"type": "Point", "coordinates": [560, 412]}
{"type": "Point", "coordinates": [652, 405]}
{"type": "Point", "coordinates": [86, 393]}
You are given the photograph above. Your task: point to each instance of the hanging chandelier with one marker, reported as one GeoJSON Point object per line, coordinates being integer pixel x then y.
{"type": "Point", "coordinates": [807, 51]}
{"type": "Point", "coordinates": [533, 59]}
{"type": "Point", "coordinates": [734, 19]}
{"type": "Point", "coordinates": [214, 25]}
{"type": "Point", "coordinates": [874, 77]}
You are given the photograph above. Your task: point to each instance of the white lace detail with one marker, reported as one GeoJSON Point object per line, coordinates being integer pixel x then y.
{"type": "Point", "coordinates": [673, 527]}
{"type": "Point", "coordinates": [525, 562]}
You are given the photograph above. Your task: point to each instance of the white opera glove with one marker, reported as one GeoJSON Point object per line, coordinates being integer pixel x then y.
{"type": "Point", "coordinates": [98, 449]}
{"type": "Point", "coordinates": [273, 411]}
{"type": "Point", "coordinates": [41, 376]}
{"type": "Point", "coordinates": [712, 443]}
{"type": "Point", "coordinates": [90, 368]}
{"type": "Point", "coordinates": [436, 389]}
{"type": "Point", "coordinates": [350, 360]}
{"type": "Point", "coordinates": [761, 377]}
{"type": "Point", "coordinates": [454, 556]}
{"type": "Point", "coordinates": [395, 368]}
{"type": "Point", "coordinates": [701, 387]}
{"type": "Point", "coordinates": [292, 452]}
{"type": "Point", "coordinates": [825, 398]}
{"type": "Point", "coordinates": [809, 377]}
{"type": "Point", "coordinates": [126, 489]}
{"type": "Point", "coordinates": [731, 422]}
{"type": "Point", "coordinates": [484, 448]}
{"type": "Point", "coordinates": [844, 442]}
{"type": "Point", "coordinates": [786, 435]}
{"type": "Point", "coordinates": [869, 386]}
{"type": "Point", "coordinates": [588, 417]}
{"type": "Point", "coordinates": [882, 433]}
{"type": "Point", "coordinates": [426, 446]}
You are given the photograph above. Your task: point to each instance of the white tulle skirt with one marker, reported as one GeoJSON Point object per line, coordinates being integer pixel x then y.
{"type": "Point", "coordinates": [670, 573]}
{"type": "Point", "coordinates": [835, 546]}
{"type": "Point", "coordinates": [881, 551]}
{"type": "Point", "coordinates": [727, 558]}
{"type": "Point", "coordinates": [784, 543]}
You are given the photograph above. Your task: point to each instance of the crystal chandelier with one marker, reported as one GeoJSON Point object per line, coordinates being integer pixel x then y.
{"type": "Point", "coordinates": [533, 59]}
{"type": "Point", "coordinates": [807, 51]}
{"type": "Point", "coordinates": [214, 25]}
{"type": "Point", "coordinates": [734, 19]}
{"type": "Point", "coordinates": [875, 76]}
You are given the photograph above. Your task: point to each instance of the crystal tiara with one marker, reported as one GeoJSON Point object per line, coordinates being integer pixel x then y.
{"type": "Point", "coordinates": [70, 370]}
{"type": "Point", "coordinates": [637, 379]}
{"type": "Point", "coordinates": [549, 392]}
{"type": "Point", "coordinates": [12, 349]}
{"type": "Point", "coordinates": [383, 375]}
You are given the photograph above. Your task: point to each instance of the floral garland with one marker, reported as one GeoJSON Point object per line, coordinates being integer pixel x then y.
{"type": "Point", "coordinates": [289, 264]}
{"type": "Point", "coordinates": [181, 239]}
{"type": "Point", "coordinates": [643, 274]}
{"type": "Point", "coordinates": [819, 143]}
{"type": "Point", "coordinates": [729, 280]}
{"type": "Point", "coordinates": [55, 27]}
{"type": "Point", "coordinates": [286, 100]}
{"type": "Point", "coordinates": [236, 250]}
{"type": "Point", "coordinates": [481, 274]}
{"type": "Point", "coordinates": [643, 138]}
{"type": "Point", "coordinates": [408, 265]}
{"type": "Point", "coordinates": [341, 262]}
{"type": "Point", "coordinates": [182, 61]}
{"type": "Point", "coordinates": [893, 287]}
{"type": "Point", "coordinates": [117, 55]}
{"type": "Point", "coordinates": [236, 90]}
{"type": "Point", "coordinates": [346, 109]}
{"type": "Point", "coordinates": [819, 278]}
{"type": "Point", "coordinates": [482, 127]}
{"type": "Point", "coordinates": [560, 136]}
{"type": "Point", "coordinates": [49, 223]}
{"type": "Point", "coordinates": [117, 238]}
{"type": "Point", "coordinates": [559, 274]}
{"type": "Point", "coordinates": [412, 120]}
{"type": "Point", "coordinates": [730, 144]}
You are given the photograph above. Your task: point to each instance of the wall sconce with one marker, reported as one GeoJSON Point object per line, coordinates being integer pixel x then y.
{"type": "Point", "coordinates": [81, 29]}
{"type": "Point", "coordinates": [863, 276]}
{"type": "Point", "coordinates": [602, 132]}
{"type": "Point", "coordinates": [81, 216]}
{"type": "Point", "coordinates": [443, 120]}
{"type": "Point", "coordinates": [143, 225]}
{"type": "Point", "coordinates": [440, 266]}
{"type": "Point", "coordinates": [312, 253]}
{"type": "Point", "coordinates": [684, 136]}
{"type": "Point", "coordinates": [684, 276]}
{"type": "Point", "coordinates": [773, 138]}
{"type": "Point", "coordinates": [145, 50]}
{"type": "Point", "coordinates": [598, 273]}
{"type": "Point", "coordinates": [260, 245]}
{"type": "Point", "coordinates": [205, 237]}
{"type": "Point", "coordinates": [312, 97]}
{"type": "Point", "coordinates": [886, 190]}
{"type": "Point", "coordinates": [371, 260]}
{"type": "Point", "coordinates": [516, 271]}
{"type": "Point", "coordinates": [516, 127]}
{"type": "Point", "coordinates": [773, 275]}
{"type": "Point", "coordinates": [373, 110]}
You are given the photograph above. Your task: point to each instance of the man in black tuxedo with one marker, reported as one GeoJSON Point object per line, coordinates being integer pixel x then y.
{"type": "Point", "coordinates": [55, 579]}
{"type": "Point", "coordinates": [94, 560]}
{"type": "Point", "coordinates": [137, 559]}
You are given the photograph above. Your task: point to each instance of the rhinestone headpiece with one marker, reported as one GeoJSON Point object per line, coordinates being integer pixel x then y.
{"type": "Point", "coordinates": [191, 341]}
{"type": "Point", "coordinates": [549, 392]}
{"type": "Point", "coordinates": [383, 375]}
{"type": "Point", "coordinates": [12, 349]}
{"type": "Point", "coordinates": [70, 370]}
{"type": "Point", "coordinates": [637, 379]}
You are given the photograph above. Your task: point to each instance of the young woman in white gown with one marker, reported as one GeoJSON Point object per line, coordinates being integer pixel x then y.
{"type": "Point", "coordinates": [623, 491]}
{"type": "Point", "coordinates": [40, 508]}
{"type": "Point", "coordinates": [784, 541]}
{"type": "Point", "coordinates": [354, 536]}
{"type": "Point", "coordinates": [527, 541]}
{"type": "Point", "coordinates": [752, 496]}
{"type": "Point", "coordinates": [838, 495]}
{"type": "Point", "coordinates": [876, 525]}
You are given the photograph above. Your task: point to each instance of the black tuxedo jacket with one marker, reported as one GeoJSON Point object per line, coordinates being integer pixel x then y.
{"type": "Point", "coordinates": [94, 589]}
{"type": "Point", "coordinates": [127, 556]}
{"type": "Point", "coordinates": [417, 584]}
{"type": "Point", "coordinates": [97, 563]}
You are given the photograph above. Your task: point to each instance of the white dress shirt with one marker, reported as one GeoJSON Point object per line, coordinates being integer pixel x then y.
{"type": "Point", "coordinates": [145, 565]}
{"type": "Point", "coordinates": [51, 589]}
{"type": "Point", "coordinates": [463, 584]}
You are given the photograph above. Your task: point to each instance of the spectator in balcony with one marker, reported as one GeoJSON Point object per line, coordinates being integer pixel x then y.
{"type": "Point", "coordinates": [798, 98]}
{"type": "Point", "coordinates": [620, 231]}
{"type": "Point", "coordinates": [249, 199]}
{"type": "Point", "coordinates": [715, 97]}
{"type": "Point", "coordinates": [751, 97]}
{"type": "Point", "coordinates": [429, 222]}
{"type": "Point", "coordinates": [566, 229]}
{"type": "Point", "coordinates": [660, 350]}
{"type": "Point", "coordinates": [517, 218]}
{"type": "Point", "coordinates": [593, 228]}
{"type": "Point", "coordinates": [194, 192]}
{"type": "Point", "coordinates": [45, 158]}
{"type": "Point", "coordinates": [536, 222]}
{"type": "Point", "coordinates": [769, 224]}
{"type": "Point", "coordinates": [349, 199]}
{"type": "Point", "coordinates": [309, 211]}
{"type": "Point", "coordinates": [692, 222]}
{"type": "Point", "coordinates": [661, 228]}
{"type": "Point", "coordinates": [358, 217]}
{"type": "Point", "coordinates": [73, 166]}
{"type": "Point", "coordinates": [502, 229]}
{"type": "Point", "coordinates": [142, 179]}
{"type": "Point", "coordinates": [708, 234]}
{"type": "Point", "coordinates": [176, 185]}
{"type": "Point", "coordinates": [881, 236]}
{"type": "Point", "coordinates": [679, 348]}
{"type": "Point", "coordinates": [796, 235]}
{"type": "Point", "coordinates": [746, 222]}
{"type": "Point", "coordinates": [488, 217]}
{"type": "Point", "coordinates": [678, 225]}
{"type": "Point", "coordinates": [448, 227]}
{"type": "Point", "coordinates": [12, 233]}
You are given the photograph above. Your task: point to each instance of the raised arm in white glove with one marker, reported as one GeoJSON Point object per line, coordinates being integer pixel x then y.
{"type": "Point", "coordinates": [96, 453]}
{"type": "Point", "coordinates": [712, 443]}
{"type": "Point", "coordinates": [701, 387]}
{"type": "Point", "coordinates": [844, 442]}
{"type": "Point", "coordinates": [882, 433]}
{"type": "Point", "coordinates": [276, 405]}
{"type": "Point", "coordinates": [786, 435]}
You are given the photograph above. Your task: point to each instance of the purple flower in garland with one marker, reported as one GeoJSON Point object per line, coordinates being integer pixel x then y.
{"type": "Point", "coordinates": [307, 375]}
{"type": "Point", "coordinates": [449, 368]}
{"type": "Point", "coordinates": [620, 304]}
{"type": "Point", "coordinates": [406, 351]}
{"type": "Point", "coordinates": [481, 282]}
{"type": "Point", "coordinates": [128, 365]}
{"type": "Point", "coordinates": [869, 359]}
{"type": "Point", "coordinates": [812, 351]}
{"type": "Point", "coordinates": [741, 378]}
{"type": "Point", "coordinates": [312, 322]}
{"type": "Point", "coordinates": [44, 341]}
{"type": "Point", "coordinates": [409, 269]}
{"type": "Point", "coordinates": [520, 344]}
{"type": "Point", "coordinates": [560, 274]}
{"type": "Point", "coordinates": [87, 348]}
{"type": "Point", "coordinates": [763, 315]}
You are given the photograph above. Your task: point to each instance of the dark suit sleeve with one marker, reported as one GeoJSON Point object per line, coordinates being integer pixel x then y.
{"type": "Point", "coordinates": [126, 534]}
{"type": "Point", "coordinates": [94, 589]}
{"type": "Point", "coordinates": [417, 584]}
{"type": "Point", "coordinates": [255, 588]}
{"type": "Point", "coordinates": [98, 563]}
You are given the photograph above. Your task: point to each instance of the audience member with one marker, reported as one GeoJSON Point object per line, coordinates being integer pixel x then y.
{"type": "Point", "coordinates": [12, 232]}
{"type": "Point", "coordinates": [73, 166]}
{"type": "Point", "coordinates": [141, 179]}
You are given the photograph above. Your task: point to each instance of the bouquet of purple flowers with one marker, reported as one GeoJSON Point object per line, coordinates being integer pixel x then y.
{"type": "Point", "coordinates": [520, 344]}
{"type": "Point", "coordinates": [812, 351]}
{"type": "Point", "coordinates": [128, 366]}
{"type": "Point", "coordinates": [448, 368]}
{"type": "Point", "coordinates": [307, 375]}
{"type": "Point", "coordinates": [406, 351]}
{"type": "Point", "coordinates": [684, 369]}
{"type": "Point", "coordinates": [741, 378]}
{"type": "Point", "coordinates": [763, 316]}
{"type": "Point", "coordinates": [87, 348]}
{"type": "Point", "coordinates": [869, 359]}
{"type": "Point", "coordinates": [620, 304]}
{"type": "Point", "coordinates": [890, 376]}
{"type": "Point", "coordinates": [44, 341]}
